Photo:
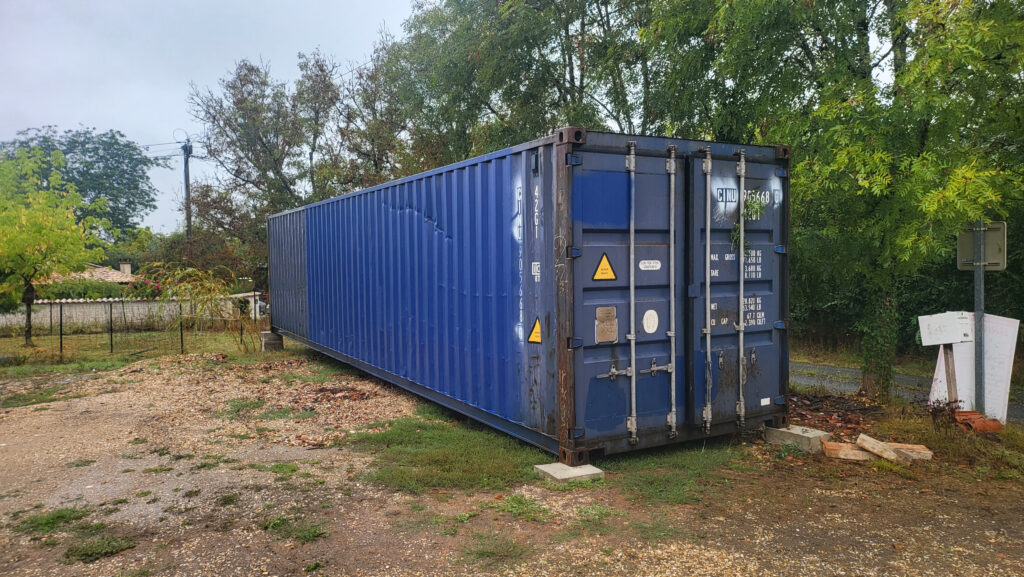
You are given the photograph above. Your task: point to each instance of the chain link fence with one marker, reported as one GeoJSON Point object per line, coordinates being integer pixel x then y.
{"type": "Point", "coordinates": [123, 330]}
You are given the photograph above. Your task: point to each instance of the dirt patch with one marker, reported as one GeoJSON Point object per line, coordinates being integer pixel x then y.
{"type": "Point", "coordinates": [212, 468]}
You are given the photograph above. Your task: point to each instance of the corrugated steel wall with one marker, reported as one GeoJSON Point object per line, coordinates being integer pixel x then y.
{"type": "Point", "coordinates": [286, 239]}
{"type": "Point", "coordinates": [423, 279]}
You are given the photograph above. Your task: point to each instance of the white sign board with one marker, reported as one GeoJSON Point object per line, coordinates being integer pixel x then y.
{"type": "Point", "coordinates": [946, 328]}
{"type": "Point", "coordinates": [1000, 344]}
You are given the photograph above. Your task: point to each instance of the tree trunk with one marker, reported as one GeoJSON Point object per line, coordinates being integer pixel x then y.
{"type": "Point", "coordinates": [28, 296]}
{"type": "Point", "coordinates": [879, 333]}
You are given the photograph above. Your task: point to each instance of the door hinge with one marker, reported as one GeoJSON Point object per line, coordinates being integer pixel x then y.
{"type": "Point", "coordinates": [693, 291]}
{"type": "Point", "coordinates": [573, 160]}
{"type": "Point", "coordinates": [578, 432]}
{"type": "Point", "coordinates": [780, 249]}
{"type": "Point", "coordinates": [573, 252]}
{"type": "Point", "coordinates": [781, 325]}
{"type": "Point", "coordinates": [781, 172]}
{"type": "Point", "coordinates": [575, 342]}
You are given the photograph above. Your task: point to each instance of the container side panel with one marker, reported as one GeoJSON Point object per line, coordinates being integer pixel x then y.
{"type": "Point", "coordinates": [287, 268]}
{"type": "Point", "coordinates": [429, 279]}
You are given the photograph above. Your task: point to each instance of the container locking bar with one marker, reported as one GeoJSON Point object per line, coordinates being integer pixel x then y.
{"type": "Point", "coordinates": [670, 167]}
{"type": "Point", "coordinates": [706, 413]}
{"type": "Point", "coordinates": [741, 404]}
{"type": "Point", "coordinates": [613, 373]}
{"type": "Point", "coordinates": [631, 168]}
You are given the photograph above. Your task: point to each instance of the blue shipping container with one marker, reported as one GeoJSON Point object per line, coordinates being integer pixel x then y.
{"type": "Point", "coordinates": [581, 291]}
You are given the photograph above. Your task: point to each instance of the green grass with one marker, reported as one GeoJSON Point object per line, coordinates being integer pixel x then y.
{"type": "Point", "coordinates": [36, 397]}
{"type": "Point", "coordinates": [85, 529]}
{"type": "Point", "coordinates": [491, 550]}
{"type": "Point", "coordinates": [290, 528]}
{"type": "Point", "coordinates": [670, 475]}
{"type": "Point", "coordinates": [525, 508]}
{"type": "Point", "coordinates": [142, 494]}
{"type": "Point", "coordinates": [157, 469]}
{"type": "Point", "coordinates": [1002, 459]}
{"type": "Point", "coordinates": [50, 522]}
{"type": "Point", "coordinates": [239, 408]}
{"type": "Point", "coordinates": [417, 454]}
{"type": "Point", "coordinates": [285, 413]}
{"type": "Point", "coordinates": [595, 518]}
{"type": "Point", "coordinates": [229, 500]}
{"type": "Point", "coordinates": [98, 548]}
{"type": "Point", "coordinates": [657, 529]}
{"type": "Point", "coordinates": [81, 462]}
{"type": "Point", "coordinates": [284, 471]}
{"type": "Point", "coordinates": [313, 567]}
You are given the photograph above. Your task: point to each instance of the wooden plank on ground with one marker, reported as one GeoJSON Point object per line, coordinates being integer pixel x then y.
{"type": "Point", "coordinates": [916, 452]}
{"type": "Point", "coordinates": [847, 451]}
{"type": "Point", "coordinates": [883, 450]}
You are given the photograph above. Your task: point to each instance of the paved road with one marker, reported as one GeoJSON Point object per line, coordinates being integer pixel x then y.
{"type": "Point", "coordinates": [846, 381]}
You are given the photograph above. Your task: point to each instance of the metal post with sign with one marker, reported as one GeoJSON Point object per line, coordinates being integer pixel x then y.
{"type": "Point", "coordinates": [980, 249]}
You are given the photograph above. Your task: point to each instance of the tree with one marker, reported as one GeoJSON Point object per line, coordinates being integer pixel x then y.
{"type": "Point", "coordinates": [40, 233]}
{"type": "Point", "coordinates": [893, 145]}
{"type": "Point", "coordinates": [253, 132]}
{"type": "Point", "coordinates": [104, 166]}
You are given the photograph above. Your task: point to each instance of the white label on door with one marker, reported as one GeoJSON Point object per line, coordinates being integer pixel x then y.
{"type": "Point", "coordinates": [650, 265]}
{"type": "Point", "coordinates": [766, 401]}
{"type": "Point", "coordinates": [650, 321]}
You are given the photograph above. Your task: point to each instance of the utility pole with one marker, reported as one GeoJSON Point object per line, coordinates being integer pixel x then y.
{"type": "Point", "coordinates": [186, 150]}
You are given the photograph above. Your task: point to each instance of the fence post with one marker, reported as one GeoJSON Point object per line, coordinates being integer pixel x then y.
{"type": "Point", "coordinates": [181, 329]}
{"type": "Point", "coordinates": [111, 325]}
{"type": "Point", "coordinates": [51, 318]}
{"type": "Point", "coordinates": [61, 331]}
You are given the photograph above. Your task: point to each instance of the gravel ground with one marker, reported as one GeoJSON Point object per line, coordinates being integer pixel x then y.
{"type": "Point", "coordinates": [154, 451]}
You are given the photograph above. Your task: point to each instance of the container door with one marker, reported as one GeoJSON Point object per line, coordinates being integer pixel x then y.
{"type": "Point", "coordinates": [609, 399]}
{"type": "Point", "coordinates": [762, 263]}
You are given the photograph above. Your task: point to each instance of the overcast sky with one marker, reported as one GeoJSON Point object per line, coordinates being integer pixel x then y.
{"type": "Point", "coordinates": [127, 65]}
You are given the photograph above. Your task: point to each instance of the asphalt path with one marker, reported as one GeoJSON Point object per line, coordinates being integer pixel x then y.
{"type": "Point", "coordinates": [845, 380]}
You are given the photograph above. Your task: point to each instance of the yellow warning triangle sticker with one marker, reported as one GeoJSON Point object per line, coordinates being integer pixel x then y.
{"type": "Point", "coordinates": [535, 333]}
{"type": "Point", "coordinates": [604, 269]}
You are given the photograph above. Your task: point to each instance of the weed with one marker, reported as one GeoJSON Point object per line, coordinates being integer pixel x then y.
{"type": "Point", "coordinates": [657, 529]}
{"type": "Point", "coordinates": [128, 470]}
{"type": "Point", "coordinates": [289, 528]}
{"type": "Point", "coordinates": [137, 441]}
{"type": "Point", "coordinates": [414, 455]}
{"type": "Point", "coordinates": [49, 522]}
{"type": "Point", "coordinates": [204, 465]}
{"type": "Point", "coordinates": [160, 452]}
{"type": "Point", "coordinates": [238, 408]}
{"type": "Point", "coordinates": [182, 456]}
{"type": "Point", "coordinates": [157, 469]}
{"type": "Point", "coordinates": [1003, 459]}
{"type": "Point", "coordinates": [284, 471]}
{"type": "Point", "coordinates": [81, 462]}
{"type": "Point", "coordinates": [142, 494]}
{"type": "Point", "coordinates": [789, 450]}
{"type": "Point", "coordinates": [881, 465]}
{"type": "Point", "coordinates": [121, 501]}
{"type": "Point", "coordinates": [49, 542]}
{"type": "Point", "coordinates": [136, 573]}
{"type": "Point", "coordinates": [98, 548]}
{"type": "Point", "coordinates": [671, 475]}
{"type": "Point", "coordinates": [595, 517]}
{"type": "Point", "coordinates": [88, 529]}
{"type": "Point", "coordinates": [262, 430]}
{"type": "Point", "coordinates": [191, 493]}
{"type": "Point", "coordinates": [491, 550]}
{"type": "Point", "coordinates": [285, 413]}
{"type": "Point", "coordinates": [227, 500]}
{"type": "Point", "coordinates": [240, 436]}
{"type": "Point", "coordinates": [36, 397]}
{"type": "Point", "coordinates": [525, 508]}
{"type": "Point", "coordinates": [313, 567]}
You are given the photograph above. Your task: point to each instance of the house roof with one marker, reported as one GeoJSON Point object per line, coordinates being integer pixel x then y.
{"type": "Point", "coordinates": [98, 273]}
